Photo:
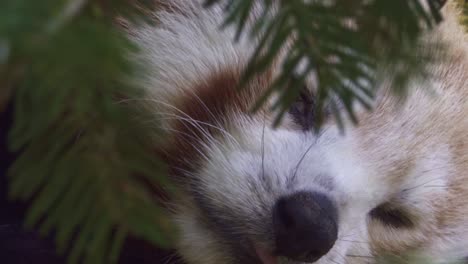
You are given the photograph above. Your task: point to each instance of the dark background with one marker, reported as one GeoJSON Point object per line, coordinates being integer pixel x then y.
{"type": "Point", "coordinates": [18, 246]}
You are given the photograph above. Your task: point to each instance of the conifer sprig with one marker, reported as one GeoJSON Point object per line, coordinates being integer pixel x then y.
{"type": "Point", "coordinates": [85, 163]}
{"type": "Point", "coordinates": [345, 44]}
{"type": "Point", "coordinates": [464, 4]}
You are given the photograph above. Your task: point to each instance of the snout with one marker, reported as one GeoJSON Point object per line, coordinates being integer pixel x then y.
{"type": "Point", "coordinates": [305, 226]}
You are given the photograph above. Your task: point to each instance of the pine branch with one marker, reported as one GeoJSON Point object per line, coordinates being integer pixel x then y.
{"type": "Point", "coordinates": [85, 162]}
{"type": "Point", "coordinates": [343, 43]}
{"type": "Point", "coordinates": [464, 5]}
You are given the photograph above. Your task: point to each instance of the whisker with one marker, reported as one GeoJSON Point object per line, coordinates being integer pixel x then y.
{"type": "Point", "coordinates": [263, 147]}
{"type": "Point", "coordinates": [196, 147]}
{"type": "Point", "coordinates": [350, 233]}
{"type": "Point", "coordinates": [359, 256]}
{"type": "Point", "coordinates": [183, 113]}
{"type": "Point", "coordinates": [342, 257]}
{"type": "Point", "coordinates": [191, 122]}
{"type": "Point", "coordinates": [300, 161]}
{"type": "Point", "coordinates": [197, 124]}
{"type": "Point", "coordinates": [354, 241]}
{"type": "Point", "coordinates": [436, 186]}
{"type": "Point", "coordinates": [420, 185]}
{"type": "Point", "coordinates": [169, 258]}
{"type": "Point", "coordinates": [204, 105]}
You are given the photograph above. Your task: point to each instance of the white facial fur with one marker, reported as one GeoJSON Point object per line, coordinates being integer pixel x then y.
{"type": "Point", "coordinates": [407, 156]}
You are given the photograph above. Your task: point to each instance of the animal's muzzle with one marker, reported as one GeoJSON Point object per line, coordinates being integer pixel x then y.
{"type": "Point", "coordinates": [305, 225]}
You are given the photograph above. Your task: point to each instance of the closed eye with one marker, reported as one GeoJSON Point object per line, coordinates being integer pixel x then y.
{"type": "Point", "coordinates": [302, 110]}
{"type": "Point", "coordinates": [392, 216]}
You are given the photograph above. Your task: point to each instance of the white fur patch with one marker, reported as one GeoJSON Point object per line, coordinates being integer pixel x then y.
{"type": "Point", "coordinates": [406, 154]}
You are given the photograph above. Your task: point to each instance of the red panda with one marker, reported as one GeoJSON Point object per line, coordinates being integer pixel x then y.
{"type": "Point", "coordinates": [251, 193]}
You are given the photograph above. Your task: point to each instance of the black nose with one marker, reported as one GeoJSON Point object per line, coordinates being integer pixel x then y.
{"type": "Point", "coordinates": [305, 226]}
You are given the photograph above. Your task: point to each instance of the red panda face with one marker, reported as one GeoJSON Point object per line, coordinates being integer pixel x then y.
{"type": "Point", "coordinates": [251, 193]}
{"type": "Point", "coordinates": [255, 193]}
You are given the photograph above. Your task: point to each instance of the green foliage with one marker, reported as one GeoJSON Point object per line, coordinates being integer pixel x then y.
{"type": "Point", "coordinates": [464, 5]}
{"type": "Point", "coordinates": [340, 42]}
{"type": "Point", "coordinates": [85, 163]}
